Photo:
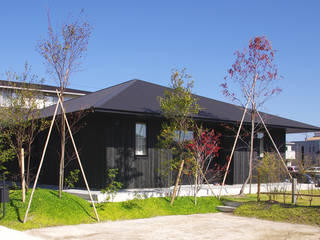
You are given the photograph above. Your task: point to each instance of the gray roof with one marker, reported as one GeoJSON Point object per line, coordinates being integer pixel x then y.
{"type": "Point", "coordinates": [141, 97]}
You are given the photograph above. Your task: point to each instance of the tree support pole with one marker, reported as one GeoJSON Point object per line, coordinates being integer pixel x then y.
{"type": "Point", "coordinates": [177, 181]}
{"type": "Point", "coordinates": [235, 143]}
{"type": "Point", "coordinates": [206, 180]}
{"type": "Point", "coordinates": [275, 146]}
{"type": "Point", "coordinates": [44, 152]}
{"type": "Point", "coordinates": [78, 157]}
{"type": "Point", "coordinates": [41, 161]}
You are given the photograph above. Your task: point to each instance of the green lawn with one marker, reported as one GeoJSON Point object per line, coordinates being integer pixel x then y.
{"type": "Point", "coordinates": [280, 208]}
{"type": "Point", "coordinates": [48, 210]}
{"type": "Point", "coordinates": [280, 212]}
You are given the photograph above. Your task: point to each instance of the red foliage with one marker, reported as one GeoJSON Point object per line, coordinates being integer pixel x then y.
{"type": "Point", "coordinates": [204, 147]}
{"type": "Point", "coordinates": [206, 143]}
{"type": "Point", "coordinates": [254, 63]}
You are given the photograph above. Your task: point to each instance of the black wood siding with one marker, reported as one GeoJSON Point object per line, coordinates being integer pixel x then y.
{"type": "Point", "coordinates": [113, 147]}
{"type": "Point", "coordinates": [108, 140]}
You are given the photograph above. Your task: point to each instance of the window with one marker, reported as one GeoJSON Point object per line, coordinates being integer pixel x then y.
{"type": "Point", "coordinates": [261, 146]}
{"type": "Point", "coordinates": [141, 139]}
{"type": "Point", "coordinates": [183, 135]}
{"type": "Point", "coordinates": [6, 96]}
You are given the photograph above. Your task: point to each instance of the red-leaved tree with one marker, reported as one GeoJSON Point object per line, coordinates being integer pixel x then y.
{"type": "Point", "coordinates": [204, 147]}
{"type": "Point", "coordinates": [252, 76]}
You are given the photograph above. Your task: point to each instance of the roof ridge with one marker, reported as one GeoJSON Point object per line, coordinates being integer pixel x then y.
{"type": "Point", "coordinates": [101, 90]}
{"type": "Point", "coordinates": [129, 83]}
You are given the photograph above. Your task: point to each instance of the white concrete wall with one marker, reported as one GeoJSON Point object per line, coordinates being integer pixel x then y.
{"type": "Point", "coordinates": [185, 190]}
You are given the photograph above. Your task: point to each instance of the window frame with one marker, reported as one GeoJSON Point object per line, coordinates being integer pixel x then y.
{"type": "Point", "coordinates": [135, 139]}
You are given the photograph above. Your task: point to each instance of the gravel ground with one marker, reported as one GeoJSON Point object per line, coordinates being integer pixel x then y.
{"type": "Point", "coordinates": [199, 226]}
{"type": "Point", "coordinates": [10, 234]}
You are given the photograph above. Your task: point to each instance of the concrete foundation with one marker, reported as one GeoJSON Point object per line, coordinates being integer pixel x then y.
{"type": "Point", "coordinates": [185, 190]}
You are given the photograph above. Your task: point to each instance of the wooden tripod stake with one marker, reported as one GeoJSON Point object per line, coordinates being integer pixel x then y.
{"type": "Point", "coordinates": [44, 152]}
{"type": "Point", "coordinates": [235, 142]}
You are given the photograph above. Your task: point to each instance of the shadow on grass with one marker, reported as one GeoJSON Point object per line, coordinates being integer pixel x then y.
{"type": "Point", "coordinates": [56, 194]}
{"type": "Point", "coordinates": [14, 203]}
{"type": "Point", "coordinates": [129, 205]}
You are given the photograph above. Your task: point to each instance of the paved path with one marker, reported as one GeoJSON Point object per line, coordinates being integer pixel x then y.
{"type": "Point", "coordinates": [199, 226]}
{"type": "Point", "coordinates": [10, 234]}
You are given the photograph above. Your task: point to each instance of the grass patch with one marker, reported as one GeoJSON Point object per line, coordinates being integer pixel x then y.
{"type": "Point", "coordinates": [280, 209]}
{"type": "Point", "coordinates": [48, 210]}
{"type": "Point", "coordinates": [280, 212]}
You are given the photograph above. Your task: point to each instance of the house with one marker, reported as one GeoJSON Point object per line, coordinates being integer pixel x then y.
{"type": "Point", "coordinates": [308, 151]}
{"type": "Point", "coordinates": [7, 90]}
{"type": "Point", "coordinates": [121, 129]}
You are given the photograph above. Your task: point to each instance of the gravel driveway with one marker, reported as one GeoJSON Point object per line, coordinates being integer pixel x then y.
{"type": "Point", "coordinates": [199, 226]}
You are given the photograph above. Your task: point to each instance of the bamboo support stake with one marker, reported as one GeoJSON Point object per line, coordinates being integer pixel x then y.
{"type": "Point", "coordinates": [275, 146]}
{"type": "Point", "coordinates": [235, 143]}
{"type": "Point", "coordinates": [206, 180]}
{"type": "Point", "coordinates": [41, 161]}
{"type": "Point", "coordinates": [78, 157]}
{"type": "Point", "coordinates": [177, 182]}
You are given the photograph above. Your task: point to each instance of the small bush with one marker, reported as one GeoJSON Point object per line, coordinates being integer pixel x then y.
{"type": "Point", "coordinates": [112, 186]}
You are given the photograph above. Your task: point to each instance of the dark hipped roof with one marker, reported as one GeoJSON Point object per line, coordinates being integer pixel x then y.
{"type": "Point", "coordinates": [140, 97]}
{"type": "Point", "coordinates": [42, 87]}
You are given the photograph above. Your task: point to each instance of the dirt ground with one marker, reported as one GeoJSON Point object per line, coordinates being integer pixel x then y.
{"type": "Point", "coordinates": [199, 226]}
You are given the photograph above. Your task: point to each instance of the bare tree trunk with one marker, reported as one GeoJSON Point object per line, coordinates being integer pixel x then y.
{"type": "Point", "coordinates": [177, 180]}
{"type": "Point", "coordinates": [251, 152]}
{"type": "Point", "coordinates": [63, 143]}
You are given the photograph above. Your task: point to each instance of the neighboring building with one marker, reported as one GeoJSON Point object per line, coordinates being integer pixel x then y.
{"type": "Point", "coordinates": [50, 97]}
{"type": "Point", "coordinates": [290, 152]}
{"type": "Point", "coordinates": [309, 150]}
{"type": "Point", "coordinates": [122, 126]}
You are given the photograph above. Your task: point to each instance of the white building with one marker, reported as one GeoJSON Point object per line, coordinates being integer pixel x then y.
{"type": "Point", "coordinates": [7, 90]}
{"type": "Point", "coordinates": [290, 152]}
{"type": "Point", "coordinates": [308, 150]}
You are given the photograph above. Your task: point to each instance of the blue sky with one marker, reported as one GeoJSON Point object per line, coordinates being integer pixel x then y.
{"type": "Point", "coordinates": [146, 39]}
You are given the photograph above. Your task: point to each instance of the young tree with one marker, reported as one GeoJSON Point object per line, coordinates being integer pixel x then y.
{"type": "Point", "coordinates": [178, 106]}
{"type": "Point", "coordinates": [252, 76]}
{"type": "Point", "coordinates": [271, 173]}
{"type": "Point", "coordinates": [19, 118]}
{"type": "Point", "coordinates": [204, 147]}
{"type": "Point", "coordinates": [63, 51]}
{"type": "Point", "coordinates": [6, 153]}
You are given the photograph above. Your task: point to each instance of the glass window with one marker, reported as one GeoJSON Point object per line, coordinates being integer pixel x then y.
{"type": "Point", "coordinates": [183, 135]}
{"type": "Point", "coordinates": [141, 139]}
{"type": "Point", "coordinates": [6, 97]}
